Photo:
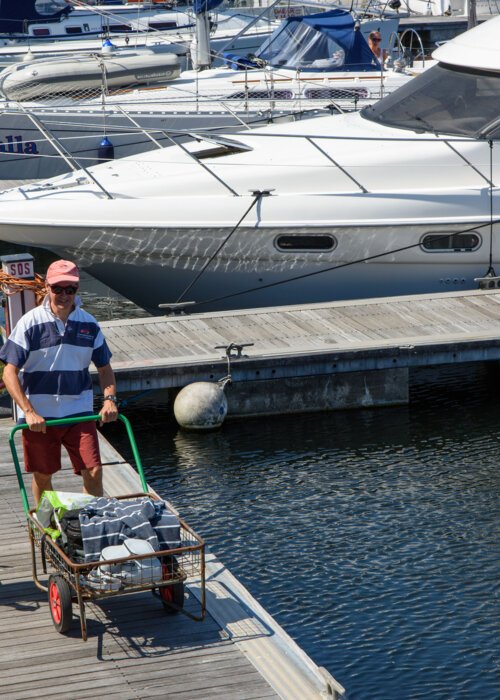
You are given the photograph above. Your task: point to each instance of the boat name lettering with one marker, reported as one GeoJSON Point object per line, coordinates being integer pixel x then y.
{"type": "Point", "coordinates": [155, 74]}
{"type": "Point", "coordinates": [15, 144]}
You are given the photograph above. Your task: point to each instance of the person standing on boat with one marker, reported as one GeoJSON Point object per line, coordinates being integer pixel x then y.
{"type": "Point", "coordinates": [374, 40]}
{"type": "Point", "coordinates": [47, 358]}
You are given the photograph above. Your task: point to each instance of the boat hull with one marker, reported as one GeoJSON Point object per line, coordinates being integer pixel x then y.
{"type": "Point", "coordinates": [152, 265]}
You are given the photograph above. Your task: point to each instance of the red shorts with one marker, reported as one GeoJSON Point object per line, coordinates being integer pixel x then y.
{"type": "Point", "coordinates": [42, 451]}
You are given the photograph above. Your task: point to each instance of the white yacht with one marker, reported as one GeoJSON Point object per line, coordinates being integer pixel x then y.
{"type": "Point", "coordinates": [312, 64]}
{"type": "Point", "coordinates": [62, 20]}
{"type": "Point", "coordinates": [32, 20]}
{"type": "Point", "coordinates": [156, 26]}
{"type": "Point", "coordinates": [400, 198]}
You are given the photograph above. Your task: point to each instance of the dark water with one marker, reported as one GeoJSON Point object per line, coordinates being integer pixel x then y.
{"type": "Point", "coordinates": [371, 536]}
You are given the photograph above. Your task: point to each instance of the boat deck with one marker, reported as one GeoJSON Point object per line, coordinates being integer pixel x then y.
{"type": "Point", "coordinates": [134, 649]}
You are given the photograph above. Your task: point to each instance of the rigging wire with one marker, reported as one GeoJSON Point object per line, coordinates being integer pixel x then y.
{"type": "Point", "coordinates": [258, 194]}
{"type": "Point", "coordinates": [491, 270]}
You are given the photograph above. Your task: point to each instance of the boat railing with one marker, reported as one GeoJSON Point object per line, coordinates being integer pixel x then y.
{"type": "Point", "coordinates": [245, 30]}
{"type": "Point", "coordinates": [319, 141]}
{"type": "Point", "coordinates": [295, 89]}
{"type": "Point", "coordinates": [203, 156]}
{"type": "Point", "coordinates": [158, 137]}
{"type": "Point", "coordinates": [72, 162]}
{"type": "Point", "coordinates": [452, 143]}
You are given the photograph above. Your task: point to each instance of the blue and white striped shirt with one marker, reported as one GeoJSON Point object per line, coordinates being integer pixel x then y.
{"type": "Point", "coordinates": [54, 360]}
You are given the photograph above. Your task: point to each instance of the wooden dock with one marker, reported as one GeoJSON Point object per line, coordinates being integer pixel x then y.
{"type": "Point", "coordinates": [136, 651]}
{"type": "Point", "coordinates": [318, 356]}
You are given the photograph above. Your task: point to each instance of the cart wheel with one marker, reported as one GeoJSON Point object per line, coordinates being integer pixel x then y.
{"type": "Point", "coordinates": [60, 603]}
{"type": "Point", "coordinates": [172, 594]}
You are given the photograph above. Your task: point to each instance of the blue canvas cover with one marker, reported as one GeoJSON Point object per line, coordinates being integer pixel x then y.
{"type": "Point", "coordinates": [15, 15]}
{"type": "Point", "coordinates": [325, 41]}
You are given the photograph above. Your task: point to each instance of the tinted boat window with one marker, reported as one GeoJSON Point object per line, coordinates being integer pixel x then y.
{"type": "Point", "coordinates": [120, 28]}
{"type": "Point", "coordinates": [162, 25]}
{"type": "Point", "coordinates": [302, 242]}
{"type": "Point", "coordinates": [443, 100]}
{"type": "Point", "coordinates": [319, 93]}
{"type": "Point", "coordinates": [262, 95]}
{"type": "Point", "coordinates": [457, 242]}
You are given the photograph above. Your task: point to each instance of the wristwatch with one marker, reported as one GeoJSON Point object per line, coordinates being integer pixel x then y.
{"type": "Point", "coordinates": [112, 398]}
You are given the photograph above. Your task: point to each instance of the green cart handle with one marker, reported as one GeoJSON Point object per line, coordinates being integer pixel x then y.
{"type": "Point", "coordinates": [70, 421]}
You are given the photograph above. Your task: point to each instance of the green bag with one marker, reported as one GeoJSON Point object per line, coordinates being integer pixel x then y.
{"type": "Point", "coordinates": [53, 505]}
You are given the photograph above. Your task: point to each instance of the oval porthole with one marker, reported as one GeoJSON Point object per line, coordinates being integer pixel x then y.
{"type": "Point", "coordinates": [451, 242]}
{"type": "Point", "coordinates": [320, 93]}
{"type": "Point", "coordinates": [262, 95]}
{"type": "Point", "coordinates": [305, 242]}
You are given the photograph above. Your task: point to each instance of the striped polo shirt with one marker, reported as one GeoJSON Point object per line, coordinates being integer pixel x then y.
{"type": "Point", "coordinates": [54, 360]}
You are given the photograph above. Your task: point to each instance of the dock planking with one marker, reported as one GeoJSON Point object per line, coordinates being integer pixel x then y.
{"type": "Point", "coordinates": [291, 341]}
{"type": "Point", "coordinates": [134, 649]}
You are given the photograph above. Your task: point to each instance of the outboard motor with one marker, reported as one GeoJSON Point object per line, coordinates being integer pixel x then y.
{"type": "Point", "coordinates": [107, 47]}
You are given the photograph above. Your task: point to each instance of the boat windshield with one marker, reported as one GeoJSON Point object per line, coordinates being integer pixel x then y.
{"type": "Point", "coordinates": [299, 45]}
{"type": "Point", "coordinates": [444, 100]}
{"type": "Point", "coordinates": [49, 7]}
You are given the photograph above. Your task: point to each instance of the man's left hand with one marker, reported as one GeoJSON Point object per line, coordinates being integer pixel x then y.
{"type": "Point", "coordinates": [108, 412]}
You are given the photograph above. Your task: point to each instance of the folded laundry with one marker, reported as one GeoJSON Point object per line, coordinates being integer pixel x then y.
{"type": "Point", "coordinates": [109, 521]}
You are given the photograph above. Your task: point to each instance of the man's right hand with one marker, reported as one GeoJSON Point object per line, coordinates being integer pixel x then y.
{"type": "Point", "coordinates": [35, 422]}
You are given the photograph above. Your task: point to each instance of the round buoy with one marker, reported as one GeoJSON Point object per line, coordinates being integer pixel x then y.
{"type": "Point", "coordinates": [201, 406]}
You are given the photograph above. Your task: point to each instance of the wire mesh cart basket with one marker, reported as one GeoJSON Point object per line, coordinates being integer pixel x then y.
{"type": "Point", "coordinates": [70, 582]}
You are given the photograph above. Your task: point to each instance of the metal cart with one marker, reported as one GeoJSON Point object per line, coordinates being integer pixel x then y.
{"type": "Point", "coordinates": [162, 572]}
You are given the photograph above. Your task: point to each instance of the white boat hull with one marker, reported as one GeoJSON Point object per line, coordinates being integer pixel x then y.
{"type": "Point", "coordinates": [402, 198]}
{"type": "Point", "coordinates": [154, 259]}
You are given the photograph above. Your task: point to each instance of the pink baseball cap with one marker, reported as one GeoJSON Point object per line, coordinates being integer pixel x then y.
{"type": "Point", "coordinates": [62, 271]}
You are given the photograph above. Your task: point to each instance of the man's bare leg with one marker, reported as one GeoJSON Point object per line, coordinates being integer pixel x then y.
{"type": "Point", "coordinates": [92, 481]}
{"type": "Point", "coordinates": [39, 484]}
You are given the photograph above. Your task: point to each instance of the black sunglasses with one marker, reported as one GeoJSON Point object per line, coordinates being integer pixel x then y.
{"type": "Point", "coordinates": [57, 289]}
{"type": "Point", "coordinates": [376, 38]}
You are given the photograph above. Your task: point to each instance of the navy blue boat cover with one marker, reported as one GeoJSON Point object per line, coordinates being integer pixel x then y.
{"type": "Point", "coordinates": [200, 6]}
{"type": "Point", "coordinates": [326, 41]}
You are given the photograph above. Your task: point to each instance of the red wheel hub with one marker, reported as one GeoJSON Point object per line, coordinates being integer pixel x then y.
{"type": "Point", "coordinates": [55, 603]}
